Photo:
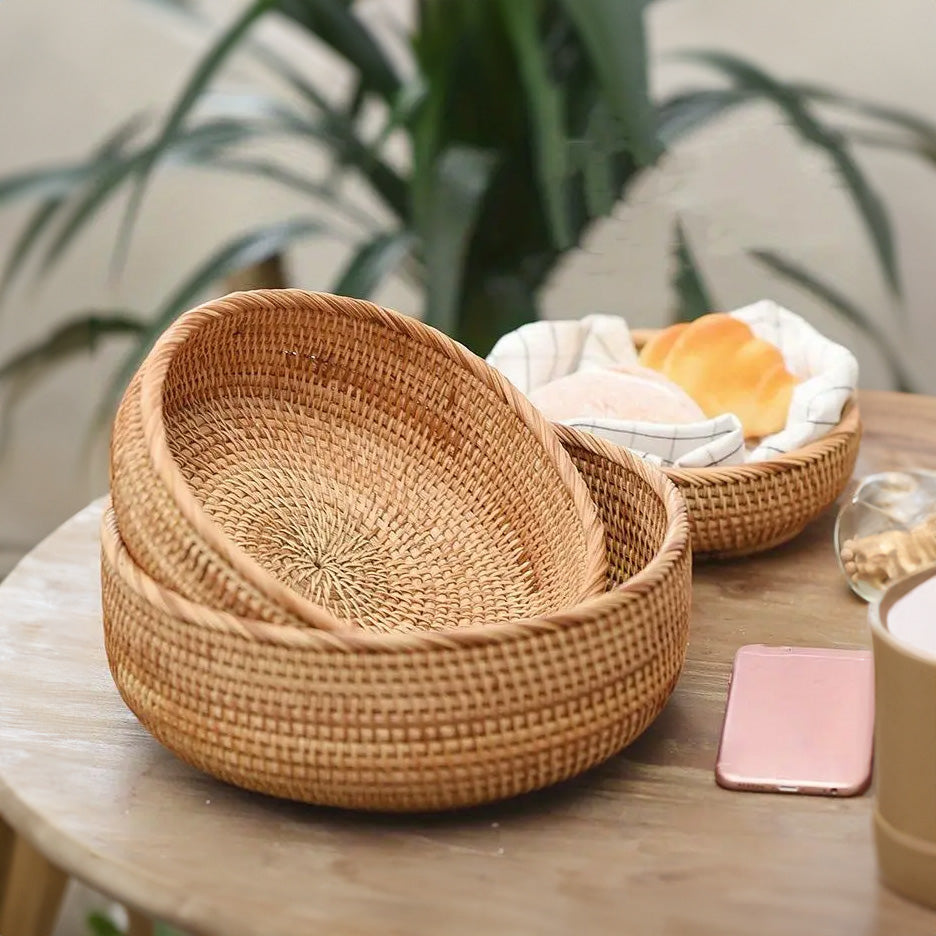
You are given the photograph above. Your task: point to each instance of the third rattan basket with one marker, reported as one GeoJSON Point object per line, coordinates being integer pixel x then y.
{"type": "Point", "coordinates": [312, 460]}
{"type": "Point", "coordinates": [421, 720]}
{"type": "Point", "coordinates": [746, 509]}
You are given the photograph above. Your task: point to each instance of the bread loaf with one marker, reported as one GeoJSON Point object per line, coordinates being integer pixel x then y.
{"type": "Point", "coordinates": [719, 362]}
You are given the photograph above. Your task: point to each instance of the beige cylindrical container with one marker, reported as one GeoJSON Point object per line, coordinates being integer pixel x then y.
{"type": "Point", "coordinates": [905, 735]}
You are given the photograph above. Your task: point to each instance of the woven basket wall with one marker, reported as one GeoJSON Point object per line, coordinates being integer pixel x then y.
{"type": "Point", "coordinates": [747, 509]}
{"type": "Point", "coordinates": [311, 460]}
{"type": "Point", "coordinates": [418, 720]}
{"type": "Point", "coordinates": [744, 509]}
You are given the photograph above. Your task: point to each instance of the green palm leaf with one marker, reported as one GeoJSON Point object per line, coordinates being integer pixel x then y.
{"type": "Point", "coordinates": [686, 112]}
{"type": "Point", "coordinates": [62, 180]}
{"type": "Point", "coordinates": [840, 303]}
{"type": "Point", "coordinates": [544, 101]}
{"type": "Point", "coordinates": [613, 32]}
{"type": "Point", "coordinates": [795, 106]}
{"type": "Point", "coordinates": [204, 72]}
{"type": "Point", "coordinates": [199, 146]}
{"type": "Point", "coordinates": [411, 98]}
{"type": "Point", "coordinates": [295, 181]}
{"type": "Point", "coordinates": [99, 924]}
{"type": "Point", "coordinates": [446, 221]}
{"type": "Point", "coordinates": [336, 24]}
{"type": "Point", "coordinates": [81, 335]}
{"type": "Point", "coordinates": [593, 155]}
{"type": "Point", "coordinates": [188, 7]}
{"type": "Point", "coordinates": [244, 250]}
{"type": "Point", "coordinates": [337, 132]}
{"type": "Point", "coordinates": [900, 144]}
{"type": "Point", "coordinates": [373, 262]}
{"type": "Point", "coordinates": [32, 231]}
{"type": "Point", "coordinates": [46, 182]}
{"type": "Point", "coordinates": [885, 113]}
{"type": "Point", "coordinates": [108, 153]}
{"type": "Point", "coordinates": [918, 134]}
{"type": "Point", "coordinates": [688, 283]}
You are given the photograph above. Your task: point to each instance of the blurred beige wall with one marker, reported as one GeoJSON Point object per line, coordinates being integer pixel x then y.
{"type": "Point", "coordinates": [744, 182]}
{"type": "Point", "coordinates": [70, 71]}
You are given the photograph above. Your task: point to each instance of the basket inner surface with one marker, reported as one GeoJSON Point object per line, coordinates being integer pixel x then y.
{"type": "Point", "coordinates": [371, 473]}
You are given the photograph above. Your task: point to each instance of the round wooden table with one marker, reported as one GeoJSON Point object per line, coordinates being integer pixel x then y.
{"type": "Point", "coordinates": [645, 844]}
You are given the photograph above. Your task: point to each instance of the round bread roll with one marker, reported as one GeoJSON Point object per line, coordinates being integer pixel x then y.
{"type": "Point", "coordinates": [720, 363]}
{"type": "Point", "coordinates": [634, 393]}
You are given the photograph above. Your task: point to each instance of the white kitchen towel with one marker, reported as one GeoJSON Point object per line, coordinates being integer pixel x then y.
{"type": "Point", "coordinates": [540, 352]}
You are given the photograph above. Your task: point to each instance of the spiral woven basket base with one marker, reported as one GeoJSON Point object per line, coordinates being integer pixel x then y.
{"type": "Point", "coordinates": [370, 471]}
{"type": "Point", "coordinates": [416, 721]}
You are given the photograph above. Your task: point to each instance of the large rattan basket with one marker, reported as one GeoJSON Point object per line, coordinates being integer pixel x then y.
{"type": "Point", "coordinates": [746, 509]}
{"type": "Point", "coordinates": [422, 720]}
{"type": "Point", "coordinates": [307, 459]}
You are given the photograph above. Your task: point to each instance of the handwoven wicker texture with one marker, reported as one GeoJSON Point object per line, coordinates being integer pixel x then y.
{"type": "Point", "coordinates": [419, 720]}
{"type": "Point", "coordinates": [744, 509]}
{"type": "Point", "coordinates": [747, 509]}
{"type": "Point", "coordinates": [302, 458]}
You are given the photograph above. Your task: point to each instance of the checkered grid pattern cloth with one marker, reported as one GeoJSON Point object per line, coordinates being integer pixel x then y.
{"type": "Point", "coordinates": [540, 352]}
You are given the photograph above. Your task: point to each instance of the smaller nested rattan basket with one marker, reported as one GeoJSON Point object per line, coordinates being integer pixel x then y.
{"type": "Point", "coordinates": [307, 459]}
{"type": "Point", "coordinates": [745, 509]}
{"type": "Point", "coordinates": [422, 720]}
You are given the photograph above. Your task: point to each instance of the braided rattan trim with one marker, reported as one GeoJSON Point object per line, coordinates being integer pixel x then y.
{"type": "Point", "coordinates": [415, 721]}
{"type": "Point", "coordinates": [153, 374]}
{"type": "Point", "coordinates": [744, 509]}
{"type": "Point", "coordinates": [673, 550]}
{"type": "Point", "coordinates": [843, 435]}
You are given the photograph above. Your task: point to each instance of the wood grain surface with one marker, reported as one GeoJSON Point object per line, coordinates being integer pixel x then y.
{"type": "Point", "coordinates": [646, 844]}
{"type": "Point", "coordinates": [34, 891]}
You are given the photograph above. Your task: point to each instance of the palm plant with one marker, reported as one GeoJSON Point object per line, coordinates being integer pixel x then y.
{"type": "Point", "coordinates": [513, 126]}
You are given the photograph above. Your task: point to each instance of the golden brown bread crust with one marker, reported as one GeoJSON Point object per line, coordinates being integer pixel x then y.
{"type": "Point", "coordinates": [654, 352]}
{"type": "Point", "coordinates": [719, 362]}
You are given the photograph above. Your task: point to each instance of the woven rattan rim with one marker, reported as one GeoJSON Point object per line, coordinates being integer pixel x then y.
{"type": "Point", "coordinates": [849, 424]}
{"type": "Point", "coordinates": [798, 458]}
{"type": "Point", "coordinates": [674, 546]}
{"type": "Point", "coordinates": [153, 374]}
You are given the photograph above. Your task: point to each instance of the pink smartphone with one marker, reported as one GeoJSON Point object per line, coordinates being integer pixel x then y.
{"type": "Point", "coordinates": [798, 720]}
